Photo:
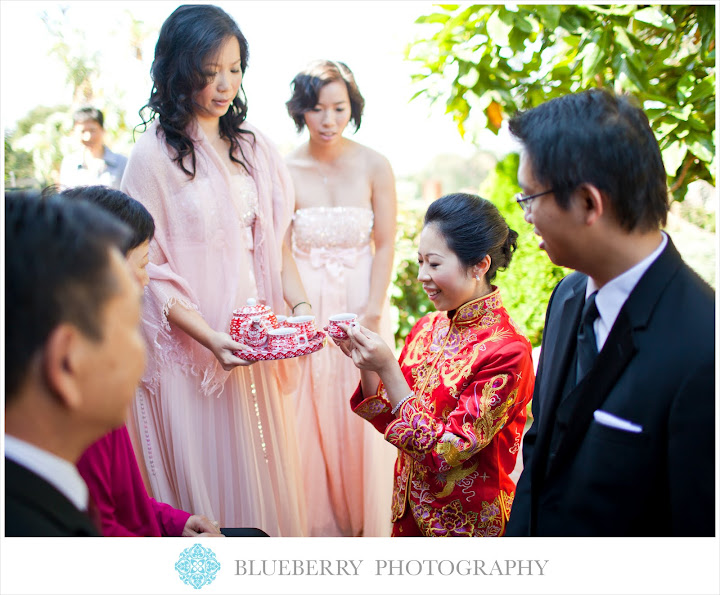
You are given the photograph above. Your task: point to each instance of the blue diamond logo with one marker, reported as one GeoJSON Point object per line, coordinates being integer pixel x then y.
{"type": "Point", "coordinates": [197, 566]}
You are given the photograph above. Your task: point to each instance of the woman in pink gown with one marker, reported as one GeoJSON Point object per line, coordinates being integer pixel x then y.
{"type": "Point", "coordinates": [343, 244]}
{"type": "Point", "coordinates": [216, 434]}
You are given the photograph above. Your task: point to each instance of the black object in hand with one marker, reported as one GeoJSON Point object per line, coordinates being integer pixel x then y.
{"type": "Point", "coordinates": [242, 532]}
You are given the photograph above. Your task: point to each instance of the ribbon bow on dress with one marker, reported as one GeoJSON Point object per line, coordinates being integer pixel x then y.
{"type": "Point", "coordinates": [336, 260]}
{"type": "Point", "coordinates": [334, 295]}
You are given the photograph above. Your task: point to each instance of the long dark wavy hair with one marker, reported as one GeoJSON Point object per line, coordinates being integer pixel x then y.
{"type": "Point", "coordinates": [187, 37]}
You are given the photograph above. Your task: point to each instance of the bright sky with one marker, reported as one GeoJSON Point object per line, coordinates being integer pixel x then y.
{"type": "Point", "coordinates": [370, 36]}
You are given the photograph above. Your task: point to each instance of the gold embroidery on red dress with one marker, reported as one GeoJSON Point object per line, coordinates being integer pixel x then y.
{"type": "Point", "coordinates": [372, 408]}
{"type": "Point", "coordinates": [454, 475]}
{"type": "Point", "coordinates": [472, 376]}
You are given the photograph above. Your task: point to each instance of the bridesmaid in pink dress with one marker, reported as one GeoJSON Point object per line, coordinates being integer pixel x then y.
{"type": "Point", "coordinates": [343, 244]}
{"type": "Point", "coordinates": [216, 434]}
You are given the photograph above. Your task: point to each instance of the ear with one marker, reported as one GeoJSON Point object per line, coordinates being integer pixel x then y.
{"type": "Point", "coordinates": [482, 267]}
{"type": "Point", "coordinates": [591, 203]}
{"type": "Point", "coordinates": [62, 364]}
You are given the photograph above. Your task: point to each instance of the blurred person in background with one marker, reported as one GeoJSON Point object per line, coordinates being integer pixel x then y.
{"type": "Point", "coordinates": [93, 162]}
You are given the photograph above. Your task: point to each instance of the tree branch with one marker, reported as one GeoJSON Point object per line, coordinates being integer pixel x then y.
{"type": "Point", "coordinates": [689, 158]}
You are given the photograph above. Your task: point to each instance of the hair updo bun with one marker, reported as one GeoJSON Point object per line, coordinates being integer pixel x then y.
{"type": "Point", "coordinates": [473, 228]}
{"type": "Point", "coordinates": [509, 247]}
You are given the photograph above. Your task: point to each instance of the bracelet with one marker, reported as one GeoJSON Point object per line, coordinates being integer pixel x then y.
{"type": "Point", "coordinates": [395, 409]}
{"type": "Point", "coordinates": [296, 305]}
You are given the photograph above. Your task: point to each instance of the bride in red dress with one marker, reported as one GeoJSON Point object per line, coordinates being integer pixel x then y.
{"type": "Point", "coordinates": [455, 405]}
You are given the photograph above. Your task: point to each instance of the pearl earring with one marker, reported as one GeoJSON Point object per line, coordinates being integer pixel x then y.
{"type": "Point", "coordinates": [477, 278]}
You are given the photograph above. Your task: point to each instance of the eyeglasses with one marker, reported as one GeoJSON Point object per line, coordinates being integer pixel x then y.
{"type": "Point", "coordinates": [526, 201]}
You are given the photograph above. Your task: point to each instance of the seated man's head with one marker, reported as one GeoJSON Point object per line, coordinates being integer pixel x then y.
{"type": "Point", "coordinates": [74, 352]}
{"type": "Point", "coordinates": [130, 212]}
{"type": "Point", "coordinates": [88, 125]}
{"type": "Point", "coordinates": [587, 150]}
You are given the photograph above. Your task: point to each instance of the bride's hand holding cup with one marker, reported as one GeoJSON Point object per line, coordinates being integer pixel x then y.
{"type": "Point", "coordinates": [368, 350]}
{"type": "Point", "coordinates": [337, 329]}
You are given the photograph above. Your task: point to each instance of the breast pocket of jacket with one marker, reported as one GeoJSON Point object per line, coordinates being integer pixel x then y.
{"type": "Point", "coordinates": [612, 458]}
{"type": "Point", "coordinates": [602, 433]}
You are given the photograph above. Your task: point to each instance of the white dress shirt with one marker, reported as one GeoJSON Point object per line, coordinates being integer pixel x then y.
{"type": "Point", "coordinates": [611, 297]}
{"type": "Point", "coordinates": [62, 474]}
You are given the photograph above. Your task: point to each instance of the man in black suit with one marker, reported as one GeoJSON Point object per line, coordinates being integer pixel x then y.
{"type": "Point", "coordinates": [74, 355]}
{"type": "Point", "coordinates": [623, 438]}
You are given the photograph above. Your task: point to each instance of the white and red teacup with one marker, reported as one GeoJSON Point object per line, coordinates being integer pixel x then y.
{"type": "Point", "coordinates": [346, 318]}
{"type": "Point", "coordinates": [305, 326]}
{"type": "Point", "coordinates": [282, 338]}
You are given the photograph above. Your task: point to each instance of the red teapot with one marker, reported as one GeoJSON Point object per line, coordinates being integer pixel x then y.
{"type": "Point", "coordinates": [242, 319]}
{"type": "Point", "coordinates": [256, 334]}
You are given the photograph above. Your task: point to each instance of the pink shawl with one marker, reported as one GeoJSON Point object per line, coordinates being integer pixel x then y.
{"type": "Point", "coordinates": [199, 257]}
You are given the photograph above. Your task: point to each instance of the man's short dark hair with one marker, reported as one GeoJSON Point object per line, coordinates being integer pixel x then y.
{"type": "Point", "coordinates": [599, 138]}
{"type": "Point", "coordinates": [57, 270]}
{"type": "Point", "coordinates": [127, 209]}
{"type": "Point", "coordinates": [88, 113]}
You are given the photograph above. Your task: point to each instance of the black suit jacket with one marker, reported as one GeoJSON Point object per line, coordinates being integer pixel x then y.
{"type": "Point", "coordinates": [34, 508]}
{"type": "Point", "coordinates": [657, 370]}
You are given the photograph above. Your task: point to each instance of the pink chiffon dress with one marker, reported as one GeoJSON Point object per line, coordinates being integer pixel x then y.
{"type": "Point", "coordinates": [347, 468]}
{"type": "Point", "coordinates": [213, 442]}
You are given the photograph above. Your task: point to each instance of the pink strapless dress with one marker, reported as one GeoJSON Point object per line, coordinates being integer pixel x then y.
{"type": "Point", "coordinates": [347, 467]}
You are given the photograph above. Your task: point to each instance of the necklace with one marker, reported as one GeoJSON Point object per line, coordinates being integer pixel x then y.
{"type": "Point", "coordinates": [329, 166]}
{"type": "Point", "coordinates": [319, 171]}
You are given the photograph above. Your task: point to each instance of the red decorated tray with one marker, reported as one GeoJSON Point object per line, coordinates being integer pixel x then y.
{"type": "Point", "coordinates": [253, 355]}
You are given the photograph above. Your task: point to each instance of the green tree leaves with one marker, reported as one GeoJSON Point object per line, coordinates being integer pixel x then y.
{"type": "Point", "coordinates": [655, 17]}
{"type": "Point", "coordinates": [489, 61]}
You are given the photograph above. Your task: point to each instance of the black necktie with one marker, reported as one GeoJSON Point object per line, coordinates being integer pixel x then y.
{"type": "Point", "coordinates": [586, 343]}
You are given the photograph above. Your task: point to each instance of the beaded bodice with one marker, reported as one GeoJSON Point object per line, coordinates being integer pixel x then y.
{"type": "Point", "coordinates": [331, 227]}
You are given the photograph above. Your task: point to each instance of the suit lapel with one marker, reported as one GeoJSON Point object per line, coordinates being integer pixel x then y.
{"type": "Point", "coordinates": [561, 347]}
{"type": "Point", "coordinates": [45, 500]}
{"type": "Point", "coordinates": [592, 391]}
{"type": "Point", "coordinates": [617, 352]}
